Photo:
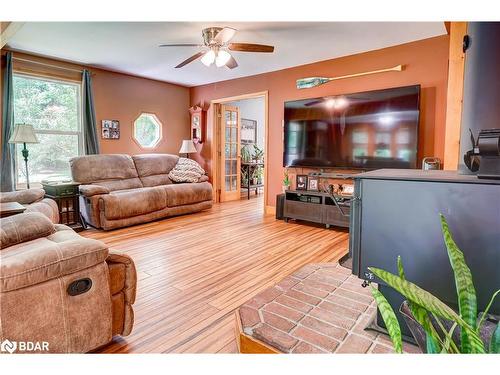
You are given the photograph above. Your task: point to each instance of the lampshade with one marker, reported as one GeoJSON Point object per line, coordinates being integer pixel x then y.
{"type": "Point", "coordinates": [208, 58]}
{"type": "Point", "coordinates": [187, 147]}
{"type": "Point", "coordinates": [23, 133]}
{"type": "Point", "coordinates": [222, 58]}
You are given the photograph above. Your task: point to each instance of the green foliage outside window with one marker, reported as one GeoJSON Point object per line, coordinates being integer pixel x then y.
{"type": "Point", "coordinates": [53, 108]}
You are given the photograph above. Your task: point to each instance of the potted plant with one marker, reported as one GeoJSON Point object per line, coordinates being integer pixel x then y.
{"type": "Point", "coordinates": [258, 154]}
{"type": "Point", "coordinates": [434, 324]}
{"type": "Point", "coordinates": [244, 177]}
{"type": "Point", "coordinates": [246, 157]}
{"type": "Point", "coordinates": [286, 181]}
{"type": "Point", "coordinates": [259, 171]}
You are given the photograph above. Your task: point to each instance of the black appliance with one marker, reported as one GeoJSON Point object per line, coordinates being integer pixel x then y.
{"type": "Point", "coordinates": [480, 111]}
{"type": "Point", "coordinates": [396, 212]}
{"type": "Point", "coordinates": [280, 206]}
{"type": "Point", "coordinates": [367, 130]}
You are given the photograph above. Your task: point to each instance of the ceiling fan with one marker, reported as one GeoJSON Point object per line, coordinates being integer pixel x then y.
{"type": "Point", "coordinates": [216, 46]}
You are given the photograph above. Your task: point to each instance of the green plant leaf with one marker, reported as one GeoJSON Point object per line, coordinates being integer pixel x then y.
{"type": "Point", "coordinates": [432, 339]}
{"type": "Point", "coordinates": [421, 315]}
{"type": "Point", "coordinates": [448, 341]}
{"type": "Point", "coordinates": [495, 341]}
{"type": "Point", "coordinates": [423, 298]}
{"type": "Point", "coordinates": [485, 313]}
{"type": "Point", "coordinates": [401, 270]}
{"type": "Point", "coordinates": [390, 320]}
{"type": "Point", "coordinates": [467, 302]}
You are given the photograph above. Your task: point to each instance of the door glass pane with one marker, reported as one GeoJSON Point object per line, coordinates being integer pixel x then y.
{"type": "Point", "coordinates": [228, 183]}
{"type": "Point", "coordinates": [233, 166]}
{"type": "Point", "coordinates": [228, 167]}
{"type": "Point", "coordinates": [228, 134]}
{"type": "Point", "coordinates": [233, 183]}
{"type": "Point", "coordinates": [227, 150]}
{"type": "Point", "coordinates": [228, 117]}
{"type": "Point", "coordinates": [234, 149]}
{"type": "Point", "coordinates": [234, 135]}
{"type": "Point", "coordinates": [233, 118]}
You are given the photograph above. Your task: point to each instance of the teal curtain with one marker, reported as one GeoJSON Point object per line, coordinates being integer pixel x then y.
{"type": "Point", "coordinates": [89, 121]}
{"type": "Point", "coordinates": [8, 150]}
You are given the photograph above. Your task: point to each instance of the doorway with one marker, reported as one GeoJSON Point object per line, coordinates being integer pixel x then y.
{"type": "Point", "coordinates": [240, 135]}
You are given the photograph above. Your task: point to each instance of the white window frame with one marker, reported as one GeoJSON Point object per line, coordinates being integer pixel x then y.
{"type": "Point", "coordinates": [81, 149]}
{"type": "Point", "coordinates": [160, 130]}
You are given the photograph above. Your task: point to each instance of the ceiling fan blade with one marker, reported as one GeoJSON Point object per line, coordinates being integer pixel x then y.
{"type": "Point", "coordinates": [225, 35]}
{"type": "Point", "coordinates": [191, 59]}
{"type": "Point", "coordinates": [231, 63]}
{"type": "Point", "coordinates": [250, 47]}
{"type": "Point", "coordinates": [180, 45]}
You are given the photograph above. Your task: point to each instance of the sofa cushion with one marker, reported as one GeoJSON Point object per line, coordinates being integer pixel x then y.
{"type": "Point", "coordinates": [27, 196]}
{"type": "Point", "coordinates": [126, 203]}
{"type": "Point", "coordinates": [46, 206]}
{"type": "Point", "coordinates": [181, 194]}
{"type": "Point", "coordinates": [153, 169]}
{"type": "Point", "coordinates": [61, 253]}
{"type": "Point", "coordinates": [90, 190]}
{"type": "Point", "coordinates": [24, 227]}
{"type": "Point", "coordinates": [113, 171]}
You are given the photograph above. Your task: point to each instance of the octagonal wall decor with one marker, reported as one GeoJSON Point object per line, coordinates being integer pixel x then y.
{"type": "Point", "coordinates": [147, 130]}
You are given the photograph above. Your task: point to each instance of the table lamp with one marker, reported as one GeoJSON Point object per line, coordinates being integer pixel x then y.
{"type": "Point", "coordinates": [24, 133]}
{"type": "Point", "coordinates": [187, 147]}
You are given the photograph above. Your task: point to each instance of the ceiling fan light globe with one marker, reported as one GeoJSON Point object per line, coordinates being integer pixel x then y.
{"type": "Point", "coordinates": [222, 58]}
{"type": "Point", "coordinates": [208, 58]}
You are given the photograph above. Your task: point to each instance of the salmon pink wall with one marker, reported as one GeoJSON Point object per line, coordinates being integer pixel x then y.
{"type": "Point", "coordinates": [123, 97]}
{"type": "Point", "coordinates": [426, 63]}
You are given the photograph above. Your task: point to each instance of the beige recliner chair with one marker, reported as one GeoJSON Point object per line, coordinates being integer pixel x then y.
{"type": "Point", "coordinates": [34, 200]}
{"type": "Point", "coordinates": [59, 288]}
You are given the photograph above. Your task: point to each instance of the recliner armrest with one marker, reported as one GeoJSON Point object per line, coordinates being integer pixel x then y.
{"type": "Point", "coordinates": [90, 190]}
{"type": "Point", "coordinates": [27, 196]}
{"type": "Point", "coordinates": [23, 228]}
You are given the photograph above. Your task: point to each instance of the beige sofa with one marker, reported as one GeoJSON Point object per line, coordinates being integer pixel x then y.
{"type": "Point", "coordinates": [120, 190]}
{"type": "Point", "coordinates": [34, 201]}
{"type": "Point", "coordinates": [61, 289]}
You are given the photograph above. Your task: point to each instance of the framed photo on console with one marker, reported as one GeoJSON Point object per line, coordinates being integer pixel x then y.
{"type": "Point", "coordinates": [301, 182]}
{"type": "Point", "coordinates": [313, 183]}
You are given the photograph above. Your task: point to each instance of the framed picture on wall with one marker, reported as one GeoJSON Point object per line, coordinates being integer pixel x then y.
{"type": "Point", "coordinates": [248, 131]}
{"type": "Point", "coordinates": [110, 129]}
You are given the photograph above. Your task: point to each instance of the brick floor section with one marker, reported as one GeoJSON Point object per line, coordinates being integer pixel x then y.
{"type": "Point", "coordinates": [321, 308]}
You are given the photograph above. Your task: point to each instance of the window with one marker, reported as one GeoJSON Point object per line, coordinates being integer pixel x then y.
{"type": "Point", "coordinates": [147, 130]}
{"type": "Point", "coordinates": [54, 109]}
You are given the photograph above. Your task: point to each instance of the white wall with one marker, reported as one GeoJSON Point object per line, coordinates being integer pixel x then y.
{"type": "Point", "coordinates": [253, 109]}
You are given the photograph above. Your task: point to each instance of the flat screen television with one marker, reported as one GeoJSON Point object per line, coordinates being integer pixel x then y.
{"type": "Point", "coordinates": [366, 130]}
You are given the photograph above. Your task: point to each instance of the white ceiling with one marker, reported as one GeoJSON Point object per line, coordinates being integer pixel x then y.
{"type": "Point", "coordinates": [132, 47]}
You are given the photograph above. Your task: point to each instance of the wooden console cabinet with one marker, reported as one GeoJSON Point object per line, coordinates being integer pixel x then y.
{"type": "Point", "coordinates": [317, 207]}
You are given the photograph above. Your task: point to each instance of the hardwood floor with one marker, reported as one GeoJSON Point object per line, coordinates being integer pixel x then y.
{"type": "Point", "coordinates": [195, 270]}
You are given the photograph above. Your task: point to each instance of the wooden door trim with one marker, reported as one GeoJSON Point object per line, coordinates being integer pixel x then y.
{"type": "Point", "coordinates": [454, 98]}
{"type": "Point", "coordinates": [215, 165]}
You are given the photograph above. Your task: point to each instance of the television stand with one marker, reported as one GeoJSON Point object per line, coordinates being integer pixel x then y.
{"type": "Point", "coordinates": [317, 207]}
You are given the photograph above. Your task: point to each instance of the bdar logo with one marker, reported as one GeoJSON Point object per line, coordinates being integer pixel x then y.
{"type": "Point", "coordinates": [8, 346]}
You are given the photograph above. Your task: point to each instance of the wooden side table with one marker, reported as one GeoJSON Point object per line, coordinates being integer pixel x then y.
{"type": "Point", "coordinates": [11, 208]}
{"type": "Point", "coordinates": [67, 196]}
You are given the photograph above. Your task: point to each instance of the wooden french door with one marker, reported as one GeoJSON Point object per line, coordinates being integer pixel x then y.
{"type": "Point", "coordinates": [230, 160]}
